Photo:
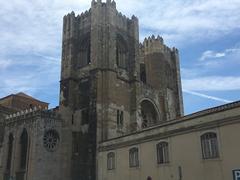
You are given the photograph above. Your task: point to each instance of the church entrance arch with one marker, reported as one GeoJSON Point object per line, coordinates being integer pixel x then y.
{"type": "Point", "coordinates": [148, 113]}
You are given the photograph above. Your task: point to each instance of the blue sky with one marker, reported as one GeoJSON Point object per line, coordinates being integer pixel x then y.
{"type": "Point", "coordinates": [207, 33]}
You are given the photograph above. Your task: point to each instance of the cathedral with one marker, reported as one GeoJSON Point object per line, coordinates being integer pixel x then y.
{"type": "Point", "coordinates": [120, 113]}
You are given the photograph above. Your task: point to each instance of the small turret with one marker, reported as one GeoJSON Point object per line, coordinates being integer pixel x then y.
{"type": "Point", "coordinates": [72, 13]}
{"type": "Point", "coordinates": [155, 45]}
{"type": "Point", "coordinates": [114, 4]}
{"type": "Point", "coordinates": [134, 18]}
{"type": "Point", "coordinates": [93, 2]}
{"type": "Point", "coordinates": [109, 3]}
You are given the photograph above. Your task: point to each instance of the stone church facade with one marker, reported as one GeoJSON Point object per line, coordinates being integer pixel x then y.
{"type": "Point", "coordinates": [120, 114]}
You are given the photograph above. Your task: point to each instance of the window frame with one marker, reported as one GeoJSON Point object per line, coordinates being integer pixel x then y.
{"type": "Point", "coordinates": [164, 153]}
{"type": "Point", "coordinates": [122, 53]}
{"type": "Point", "coordinates": [24, 149]}
{"type": "Point", "coordinates": [84, 54]}
{"type": "Point", "coordinates": [210, 145]}
{"type": "Point", "coordinates": [143, 73]}
{"type": "Point", "coordinates": [134, 154]}
{"type": "Point", "coordinates": [120, 119]}
{"type": "Point", "coordinates": [10, 152]}
{"type": "Point", "coordinates": [111, 161]}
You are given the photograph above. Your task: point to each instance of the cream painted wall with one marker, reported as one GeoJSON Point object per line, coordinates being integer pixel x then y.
{"type": "Point", "coordinates": [185, 151]}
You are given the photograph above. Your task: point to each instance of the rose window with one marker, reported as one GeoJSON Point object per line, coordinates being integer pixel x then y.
{"type": "Point", "coordinates": [50, 140]}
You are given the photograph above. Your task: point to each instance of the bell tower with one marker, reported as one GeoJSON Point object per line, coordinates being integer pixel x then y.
{"type": "Point", "coordinates": [98, 83]}
{"type": "Point", "coordinates": [111, 85]}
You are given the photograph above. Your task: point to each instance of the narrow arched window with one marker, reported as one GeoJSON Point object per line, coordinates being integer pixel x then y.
{"type": "Point", "coordinates": [84, 53]}
{"type": "Point", "coordinates": [10, 149]}
{"type": "Point", "coordinates": [111, 161]}
{"type": "Point", "coordinates": [162, 153]}
{"type": "Point", "coordinates": [133, 157]}
{"type": "Point", "coordinates": [121, 53]}
{"type": "Point", "coordinates": [143, 76]}
{"type": "Point", "coordinates": [120, 117]}
{"type": "Point", "coordinates": [209, 144]}
{"type": "Point", "coordinates": [23, 149]}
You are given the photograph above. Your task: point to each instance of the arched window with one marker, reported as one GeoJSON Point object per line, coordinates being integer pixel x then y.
{"type": "Point", "coordinates": [149, 115]}
{"type": "Point", "coordinates": [121, 53]}
{"type": "Point", "coordinates": [84, 53]}
{"type": "Point", "coordinates": [120, 116]}
{"type": "Point", "coordinates": [209, 144]}
{"type": "Point", "coordinates": [162, 153]}
{"type": "Point", "coordinates": [111, 161]}
{"type": "Point", "coordinates": [133, 157]}
{"type": "Point", "coordinates": [143, 76]}
{"type": "Point", "coordinates": [23, 149]}
{"type": "Point", "coordinates": [10, 149]}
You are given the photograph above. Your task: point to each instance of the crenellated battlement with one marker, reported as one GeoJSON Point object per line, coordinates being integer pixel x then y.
{"type": "Point", "coordinates": [73, 23]}
{"type": "Point", "coordinates": [154, 44]}
{"type": "Point", "coordinates": [122, 19]}
{"type": "Point", "coordinates": [125, 18]}
{"type": "Point", "coordinates": [108, 3]}
{"type": "Point", "coordinates": [79, 16]}
{"type": "Point", "coordinates": [30, 113]}
{"type": "Point", "coordinates": [72, 16]}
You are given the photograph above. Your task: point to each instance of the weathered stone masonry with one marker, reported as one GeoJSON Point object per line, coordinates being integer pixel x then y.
{"type": "Point", "coordinates": [103, 95]}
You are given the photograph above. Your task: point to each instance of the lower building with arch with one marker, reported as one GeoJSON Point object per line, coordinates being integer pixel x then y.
{"type": "Point", "coordinates": [200, 146]}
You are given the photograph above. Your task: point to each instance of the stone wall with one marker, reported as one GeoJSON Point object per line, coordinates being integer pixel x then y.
{"type": "Point", "coordinates": [41, 162]}
{"type": "Point", "coordinates": [163, 74]}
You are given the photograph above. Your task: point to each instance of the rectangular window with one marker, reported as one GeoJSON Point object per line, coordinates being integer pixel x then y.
{"type": "Point", "coordinates": [209, 145]}
{"type": "Point", "coordinates": [76, 143]}
{"type": "Point", "coordinates": [120, 119]}
{"type": "Point", "coordinates": [133, 157]}
{"type": "Point", "coordinates": [162, 153]}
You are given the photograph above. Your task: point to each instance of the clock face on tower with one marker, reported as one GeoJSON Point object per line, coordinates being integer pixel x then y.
{"type": "Point", "coordinates": [50, 140]}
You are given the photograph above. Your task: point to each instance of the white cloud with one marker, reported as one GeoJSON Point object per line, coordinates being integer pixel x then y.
{"type": "Point", "coordinates": [4, 64]}
{"type": "Point", "coordinates": [184, 21]}
{"type": "Point", "coordinates": [31, 36]}
{"type": "Point", "coordinates": [211, 54]}
{"type": "Point", "coordinates": [30, 76]}
{"type": "Point", "coordinates": [29, 25]}
{"type": "Point", "coordinates": [207, 96]}
{"type": "Point", "coordinates": [216, 55]}
{"type": "Point", "coordinates": [212, 83]}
